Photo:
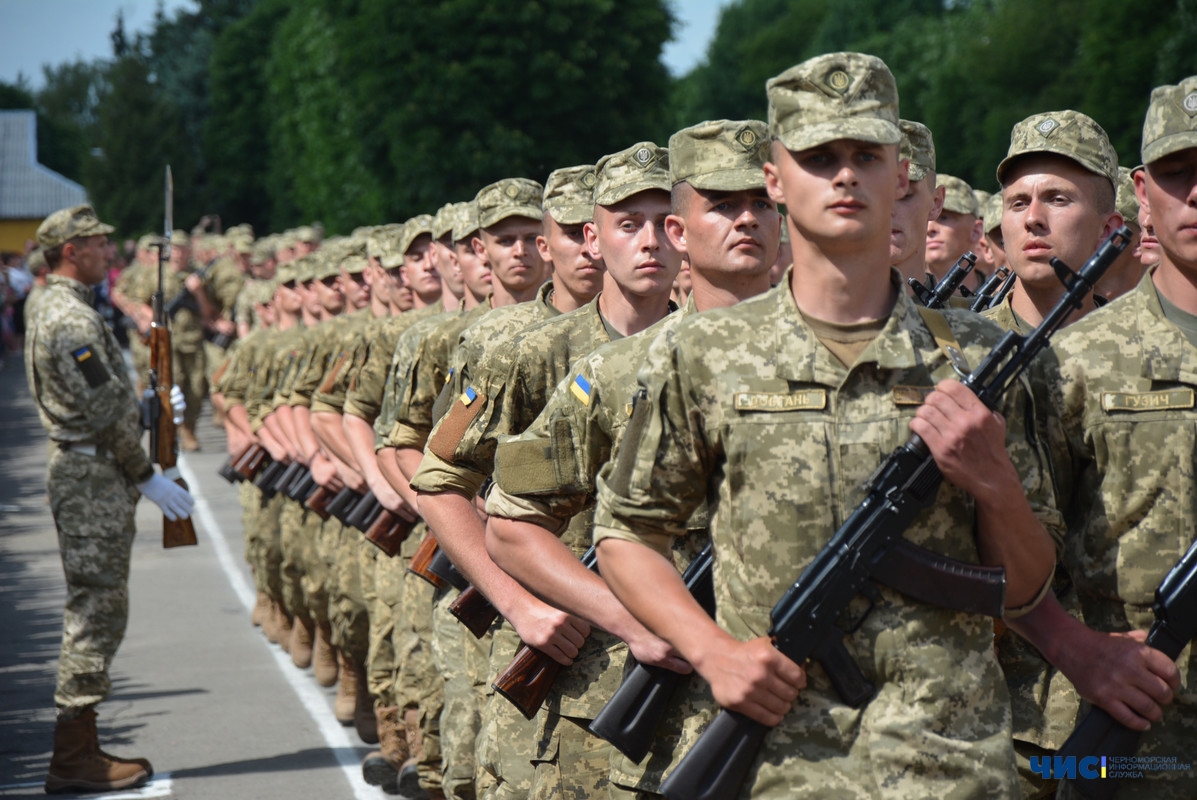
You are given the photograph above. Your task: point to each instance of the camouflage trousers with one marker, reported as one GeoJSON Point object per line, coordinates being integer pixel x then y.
{"type": "Point", "coordinates": [293, 529]}
{"type": "Point", "coordinates": [461, 718]}
{"type": "Point", "coordinates": [93, 505]}
{"type": "Point", "coordinates": [572, 763]}
{"type": "Point", "coordinates": [346, 603]}
{"type": "Point", "coordinates": [382, 665]}
{"type": "Point", "coordinates": [418, 685]}
{"type": "Point", "coordinates": [319, 548]}
{"type": "Point", "coordinates": [267, 556]}
{"type": "Point", "coordinates": [191, 376]}
{"type": "Point", "coordinates": [691, 709]}
{"type": "Point", "coordinates": [507, 742]}
{"type": "Point", "coordinates": [251, 505]}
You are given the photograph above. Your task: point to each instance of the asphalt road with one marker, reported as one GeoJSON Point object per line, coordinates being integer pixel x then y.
{"type": "Point", "coordinates": [219, 712]}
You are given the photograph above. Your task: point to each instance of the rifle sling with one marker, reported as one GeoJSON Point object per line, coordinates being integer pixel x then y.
{"type": "Point", "coordinates": [941, 581]}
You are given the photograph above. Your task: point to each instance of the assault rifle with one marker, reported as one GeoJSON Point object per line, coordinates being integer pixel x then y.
{"type": "Point", "coordinates": [1099, 734]}
{"type": "Point", "coordinates": [157, 411]}
{"type": "Point", "coordinates": [421, 560]}
{"type": "Point", "coordinates": [529, 678]}
{"type": "Point", "coordinates": [937, 296]}
{"type": "Point", "coordinates": [864, 548]}
{"type": "Point", "coordinates": [389, 532]}
{"type": "Point", "coordinates": [1000, 295]}
{"type": "Point", "coordinates": [986, 292]}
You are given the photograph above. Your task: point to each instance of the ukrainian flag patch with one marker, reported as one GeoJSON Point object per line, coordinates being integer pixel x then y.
{"type": "Point", "coordinates": [468, 396]}
{"type": "Point", "coordinates": [82, 354]}
{"type": "Point", "coordinates": [581, 389]}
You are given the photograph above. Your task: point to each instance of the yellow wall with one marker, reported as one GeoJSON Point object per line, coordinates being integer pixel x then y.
{"type": "Point", "coordinates": [14, 233]}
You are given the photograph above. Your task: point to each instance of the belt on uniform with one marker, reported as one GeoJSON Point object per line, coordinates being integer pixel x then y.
{"type": "Point", "coordinates": [93, 450]}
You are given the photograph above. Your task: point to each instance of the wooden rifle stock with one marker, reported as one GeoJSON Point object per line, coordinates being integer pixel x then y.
{"type": "Point", "coordinates": [529, 678]}
{"type": "Point", "coordinates": [474, 611]}
{"type": "Point", "coordinates": [318, 502]}
{"type": "Point", "coordinates": [423, 557]}
{"type": "Point", "coordinates": [389, 532]}
{"type": "Point", "coordinates": [250, 461]}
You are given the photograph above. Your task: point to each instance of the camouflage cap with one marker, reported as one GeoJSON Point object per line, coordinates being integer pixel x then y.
{"type": "Point", "coordinates": [70, 223]}
{"type": "Point", "coordinates": [354, 264]}
{"type": "Point", "coordinates": [992, 213]}
{"type": "Point", "coordinates": [265, 290]}
{"type": "Point", "coordinates": [958, 195]}
{"type": "Point", "coordinates": [244, 229]}
{"type": "Point", "coordinates": [148, 242]}
{"type": "Point", "coordinates": [442, 223]}
{"type": "Point", "coordinates": [834, 96]}
{"type": "Point", "coordinates": [510, 197]}
{"type": "Point", "coordinates": [180, 239]}
{"type": "Point", "coordinates": [35, 262]}
{"type": "Point", "coordinates": [414, 228]}
{"type": "Point", "coordinates": [465, 224]}
{"type": "Point", "coordinates": [982, 197]}
{"type": "Point", "coordinates": [1066, 133]}
{"type": "Point", "coordinates": [326, 266]}
{"type": "Point", "coordinates": [569, 194]}
{"type": "Point", "coordinates": [1171, 122]}
{"type": "Point", "coordinates": [242, 245]}
{"type": "Point", "coordinates": [306, 268]}
{"type": "Point", "coordinates": [291, 272]}
{"type": "Point", "coordinates": [638, 168]}
{"type": "Point", "coordinates": [720, 155]}
{"type": "Point", "coordinates": [306, 233]}
{"type": "Point", "coordinates": [917, 146]}
{"type": "Point", "coordinates": [1125, 202]}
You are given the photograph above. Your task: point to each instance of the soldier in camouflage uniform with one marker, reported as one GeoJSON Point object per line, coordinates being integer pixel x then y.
{"type": "Point", "coordinates": [955, 231]}
{"type": "Point", "coordinates": [631, 202]}
{"type": "Point", "coordinates": [1058, 193]}
{"type": "Point", "coordinates": [1128, 270]}
{"type": "Point", "coordinates": [922, 203]}
{"type": "Point", "coordinates": [96, 471]}
{"type": "Point", "coordinates": [1124, 398]}
{"type": "Point", "coordinates": [130, 287]}
{"type": "Point", "coordinates": [727, 225]}
{"type": "Point", "coordinates": [774, 413]}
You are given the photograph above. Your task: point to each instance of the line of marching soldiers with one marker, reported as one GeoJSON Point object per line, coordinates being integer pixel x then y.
{"type": "Point", "coordinates": [425, 423]}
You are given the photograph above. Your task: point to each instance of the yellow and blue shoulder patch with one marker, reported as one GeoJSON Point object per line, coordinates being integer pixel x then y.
{"type": "Point", "coordinates": [581, 389]}
{"type": "Point", "coordinates": [92, 367]}
{"type": "Point", "coordinates": [468, 396]}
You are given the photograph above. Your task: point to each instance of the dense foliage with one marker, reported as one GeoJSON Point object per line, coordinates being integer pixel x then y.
{"type": "Point", "coordinates": [354, 112]}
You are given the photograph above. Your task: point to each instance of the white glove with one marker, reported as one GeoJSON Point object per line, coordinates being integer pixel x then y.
{"type": "Point", "coordinates": [177, 403]}
{"type": "Point", "coordinates": [175, 501]}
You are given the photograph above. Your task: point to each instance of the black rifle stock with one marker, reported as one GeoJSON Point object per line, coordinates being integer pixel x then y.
{"type": "Point", "coordinates": [340, 505]}
{"type": "Point", "coordinates": [937, 296]}
{"type": "Point", "coordinates": [630, 718]}
{"type": "Point", "coordinates": [1175, 626]}
{"type": "Point", "coordinates": [1000, 295]}
{"type": "Point", "coordinates": [804, 620]}
{"type": "Point", "coordinates": [985, 293]}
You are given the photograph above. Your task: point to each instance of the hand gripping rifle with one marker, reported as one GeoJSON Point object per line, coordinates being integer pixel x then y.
{"type": "Point", "coordinates": [156, 406]}
{"type": "Point", "coordinates": [866, 547]}
{"type": "Point", "coordinates": [1099, 734]}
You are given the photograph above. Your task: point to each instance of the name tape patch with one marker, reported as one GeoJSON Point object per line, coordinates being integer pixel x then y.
{"type": "Point", "coordinates": [1147, 401]}
{"type": "Point", "coordinates": [805, 400]}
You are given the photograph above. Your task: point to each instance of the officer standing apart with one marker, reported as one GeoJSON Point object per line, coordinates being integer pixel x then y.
{"type": "Point", "coordinates": [87, 404]}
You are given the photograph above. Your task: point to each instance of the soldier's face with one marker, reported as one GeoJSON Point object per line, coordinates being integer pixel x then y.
{"type": "Point", "coordinates": [564, 246]}
{"type": "Point", "coordinates": [1149, 246]}
{"type": "Point", "coordinates": [329, 294]}
{"type": "Point", "coordinates": [949, 237]}
{"type": "Point", "coordinates": [354, 289]}
{"type": "Point", "coordinates": [89, 256]}
{"type": "Point", "coordinates": [912, 211]}
{"type": "Point", "coordinates": [1169, 191]}
{"type": "Point", "coordinates": [419, 268]}
{"type": "Point", "coordinates": [475, 269]}
{"type": "Point", "coordinates": [510, 246]}
{"type": "Point", "coordinates": [726, 232]}
{"type": "Point", "coordinates": [1050, 210]}
{"type": "Point", "coordinates": [630, 238]}
{"type": "Point", "coordinates": [838, 193]}
{"type": "Point", "coordinates": [449, 269]}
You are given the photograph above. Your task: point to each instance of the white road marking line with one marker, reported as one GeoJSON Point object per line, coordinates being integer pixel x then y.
{"type": "Point", "coordinates": [159, 786]}
{"type": "Point", "coordinates": [309, 693]}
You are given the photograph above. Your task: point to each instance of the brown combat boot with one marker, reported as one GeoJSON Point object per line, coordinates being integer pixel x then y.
{"type": "Point", "coordinates": [364, 721]}
{"type": "Point", "coordinates": [270, 623]}
{"type": "Point", "coordinates": [301, 642]}
{"type": "Point", "coordinates": [324, 657]}
{"type": "Point", "coordinates": [285, 624]}
{"type": "Point", "coordinates": [79, 765]}
{"type": "Point", "coordinates": [381, 767]}
{"type": "Point", "coordinates": [187, 441]}
{"type": "Point", "coordinates": [261, 610]}
{"type": "Point", "coordinates": [346, 701]}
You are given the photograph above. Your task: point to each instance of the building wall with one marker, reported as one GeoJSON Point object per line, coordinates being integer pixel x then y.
{"type": "Point", "coordinates": [15, 232]}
